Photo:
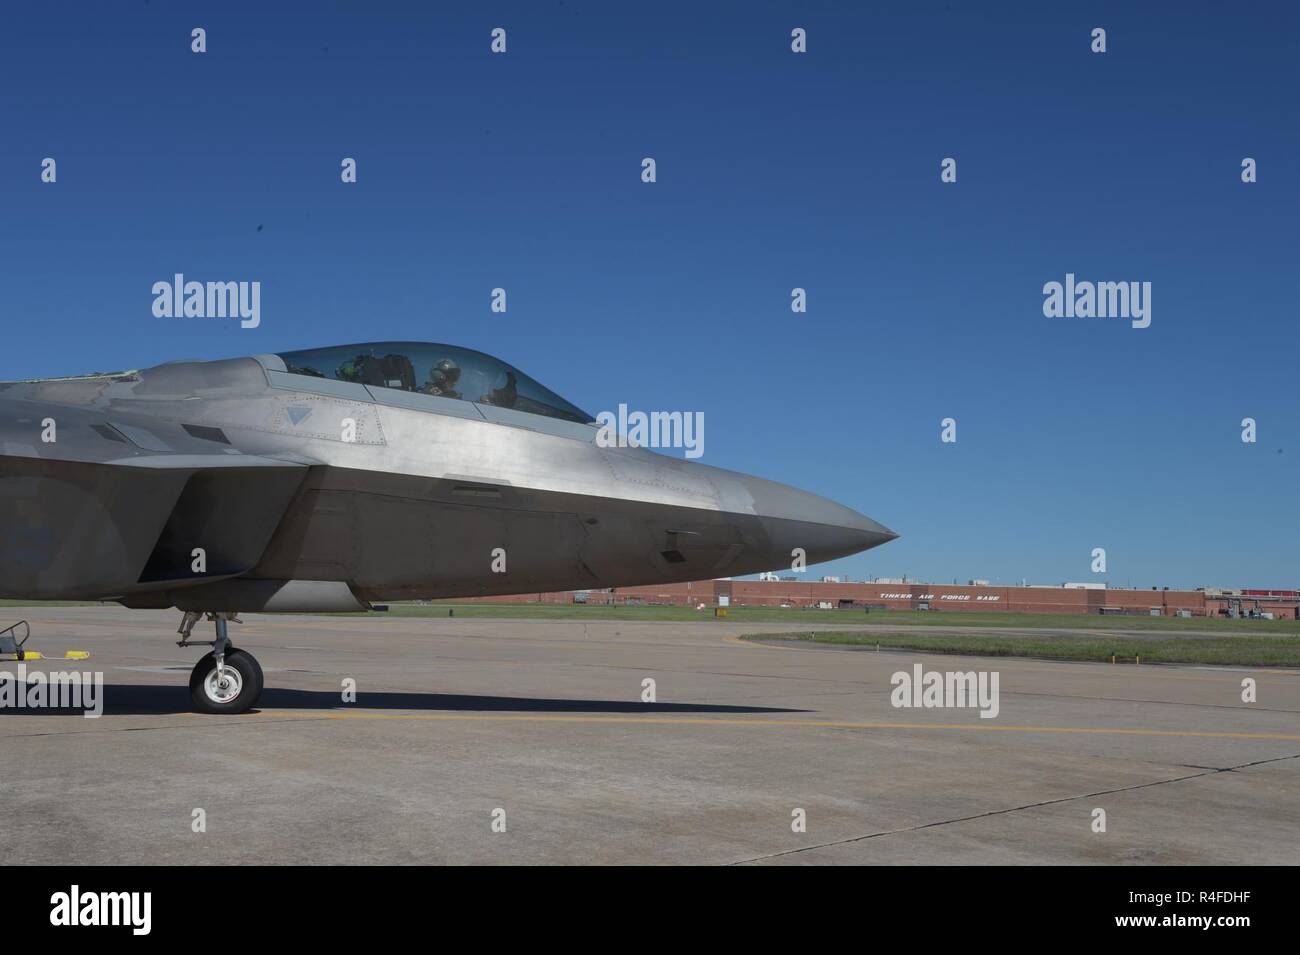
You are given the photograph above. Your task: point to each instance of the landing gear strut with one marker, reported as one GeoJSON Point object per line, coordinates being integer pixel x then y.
{"type": "Point", "coordinates": [226, 680]}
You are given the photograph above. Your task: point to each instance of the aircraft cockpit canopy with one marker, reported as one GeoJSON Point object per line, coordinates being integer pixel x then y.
{"type": "Point", "coordinates": [440, 370]}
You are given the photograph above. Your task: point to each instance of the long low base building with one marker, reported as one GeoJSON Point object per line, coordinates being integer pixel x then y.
{"type": "Point", "coordinates": [1205, 602]}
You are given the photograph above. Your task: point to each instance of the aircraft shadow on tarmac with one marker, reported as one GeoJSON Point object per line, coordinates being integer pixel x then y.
{"type": "Point", "coordinates": [148, 699]}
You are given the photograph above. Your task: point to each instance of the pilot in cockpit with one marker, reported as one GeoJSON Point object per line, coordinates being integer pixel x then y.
{"type": "Point", "coordinates": [443, 377]}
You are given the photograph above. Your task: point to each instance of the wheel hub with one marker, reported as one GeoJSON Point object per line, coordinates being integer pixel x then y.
{"type": "Point", "coordinates": [223, 687]}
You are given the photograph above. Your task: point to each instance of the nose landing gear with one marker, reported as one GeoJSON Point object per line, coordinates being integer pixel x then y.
{"type": "Point", "coordinates": [226, 680]}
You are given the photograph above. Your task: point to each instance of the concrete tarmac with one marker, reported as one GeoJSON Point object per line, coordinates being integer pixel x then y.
{"type": "Point", "coordinates": [544, 720]}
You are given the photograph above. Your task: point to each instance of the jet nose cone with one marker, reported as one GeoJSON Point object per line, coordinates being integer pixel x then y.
{"type": "Point", "coordinates": [823, 529]}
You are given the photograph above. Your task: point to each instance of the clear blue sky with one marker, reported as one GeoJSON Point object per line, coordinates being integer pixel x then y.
{"type": "Point", "coordinates": [775, 170]}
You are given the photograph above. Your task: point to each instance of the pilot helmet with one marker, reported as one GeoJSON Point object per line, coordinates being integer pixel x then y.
{"type": "Point", "coordinates": [444, 374]}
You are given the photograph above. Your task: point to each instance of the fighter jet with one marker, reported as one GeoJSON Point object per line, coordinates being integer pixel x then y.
{"type": "Point", "coordinates": [332, 479]}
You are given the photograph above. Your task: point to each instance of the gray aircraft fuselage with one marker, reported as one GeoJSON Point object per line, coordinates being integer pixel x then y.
{"type": "Point", "coordinates": [241, 485]}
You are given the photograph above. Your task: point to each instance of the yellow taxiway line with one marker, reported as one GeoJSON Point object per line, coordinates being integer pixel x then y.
{"type": "Point", "coordinates": [794, 724]}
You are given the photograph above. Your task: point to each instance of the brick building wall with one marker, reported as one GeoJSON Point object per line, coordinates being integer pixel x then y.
{"type": "Point", "coordinates": [935, 597]}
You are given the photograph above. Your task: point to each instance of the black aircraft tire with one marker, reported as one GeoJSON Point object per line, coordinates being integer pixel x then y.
{"type": "Point", "coordinates": [257, 668]}
{"type": "Point", "coordinates": [240, 692]}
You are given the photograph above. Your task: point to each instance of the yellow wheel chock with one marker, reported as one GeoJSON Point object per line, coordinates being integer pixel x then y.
{"type": "Point", "coordinates": [11, 643]}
